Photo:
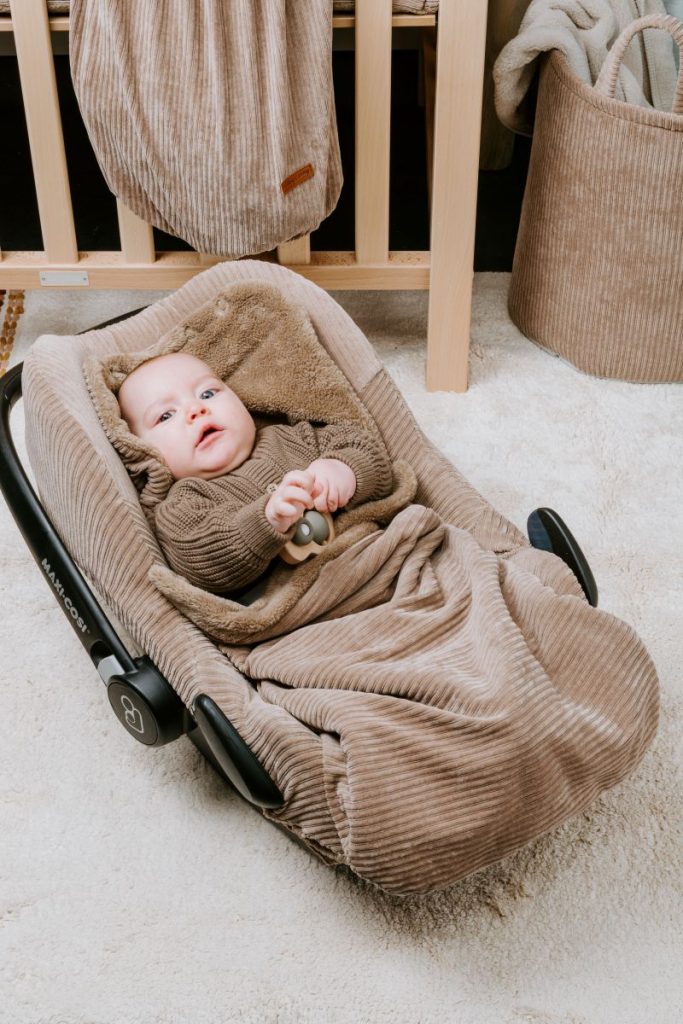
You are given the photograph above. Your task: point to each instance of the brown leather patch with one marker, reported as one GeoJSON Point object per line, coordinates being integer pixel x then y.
{"type": "Point", "coordinates": [297, 178]}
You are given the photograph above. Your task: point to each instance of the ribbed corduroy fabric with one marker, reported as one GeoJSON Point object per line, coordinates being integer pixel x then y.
{"type": "Point", "coordinates": [214, 121]}
{"type": "Point", "coordinates": [598, 267]}
{"type": "Point", "coordinates": [431, 728]}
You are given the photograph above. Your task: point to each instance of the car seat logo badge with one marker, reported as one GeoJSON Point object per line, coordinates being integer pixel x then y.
{"type": "Point", "coordinates": [132, 714]}
{"type": "Point", "coordinates": [68, 604]}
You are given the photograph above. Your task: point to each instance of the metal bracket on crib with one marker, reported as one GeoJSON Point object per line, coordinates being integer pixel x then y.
{"type": "Point", "coordinates": [143, 700]}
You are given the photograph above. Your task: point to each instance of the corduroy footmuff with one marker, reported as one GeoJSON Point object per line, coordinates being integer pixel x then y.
{"type": "Point", "coordinates": [442, 693]}
{"type": "Point", "coordinates": [214, 121]}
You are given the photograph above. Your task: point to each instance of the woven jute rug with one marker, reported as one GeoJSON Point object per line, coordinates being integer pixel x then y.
{"type": "Point", "coordinates": [11, 308]}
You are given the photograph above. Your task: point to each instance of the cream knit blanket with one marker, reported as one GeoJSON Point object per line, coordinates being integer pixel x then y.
{"type": "Point", "coordinates": [214, 121]}
{"type": "Point", "coordinates": [583, 30]}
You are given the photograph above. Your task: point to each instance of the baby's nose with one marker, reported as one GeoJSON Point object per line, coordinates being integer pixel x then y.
{"type": "Point", "coordinates": [195, 409]}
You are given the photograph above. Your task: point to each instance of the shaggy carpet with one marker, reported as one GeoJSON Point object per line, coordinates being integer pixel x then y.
{"type": "Point", "coordinates": [136, 889]}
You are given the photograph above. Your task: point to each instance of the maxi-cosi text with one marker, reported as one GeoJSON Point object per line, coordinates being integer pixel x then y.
{"type": "Point", "coordinates": [68, 604]}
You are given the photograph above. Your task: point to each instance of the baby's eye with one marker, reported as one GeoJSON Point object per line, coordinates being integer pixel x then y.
{"type": "Point", "coordinates": [165, 416]}
{"type": "Point", "coordinates": [208, 393]}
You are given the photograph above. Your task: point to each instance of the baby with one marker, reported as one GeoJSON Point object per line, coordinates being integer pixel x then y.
{"type": "Point", "coordinates": [239, 490]}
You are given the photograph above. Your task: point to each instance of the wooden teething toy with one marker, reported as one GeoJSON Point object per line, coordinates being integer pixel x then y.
{"type": "Point", "coordinates": [313, 531]}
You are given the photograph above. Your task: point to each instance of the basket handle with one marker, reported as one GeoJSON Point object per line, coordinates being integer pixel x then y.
{"type": "Point", "coordinates": [607, 79]}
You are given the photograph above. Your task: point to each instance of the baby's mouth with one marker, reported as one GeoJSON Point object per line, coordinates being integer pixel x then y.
{"type": "Point", "coordinates": [207, 434]}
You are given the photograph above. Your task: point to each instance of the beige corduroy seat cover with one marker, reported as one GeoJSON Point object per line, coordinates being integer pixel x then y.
{"type": "Point", "coordinates": [439, 692]}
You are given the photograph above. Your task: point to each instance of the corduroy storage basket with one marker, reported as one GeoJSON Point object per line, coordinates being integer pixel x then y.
{"type": "Point", "coordinates": [598, 269]}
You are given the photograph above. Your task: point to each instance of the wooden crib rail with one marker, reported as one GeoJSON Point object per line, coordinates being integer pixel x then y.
{"type": "Point", "coordinates": [447, 269]}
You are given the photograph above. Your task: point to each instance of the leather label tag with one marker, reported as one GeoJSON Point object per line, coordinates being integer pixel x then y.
{"type": "Point", "coordinates": [304, 173]}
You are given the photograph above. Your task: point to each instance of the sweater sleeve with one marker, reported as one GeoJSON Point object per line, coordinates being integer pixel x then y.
{"type": "Point", "coordinates": [212, 539]}
{"type": "Point", "coordinates": [367, 457]}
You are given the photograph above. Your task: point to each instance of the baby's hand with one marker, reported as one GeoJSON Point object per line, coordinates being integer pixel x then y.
{"type": "Point", "coordinates": [334, 484]}
{"type": "Point", "coordinates": [290, 499]}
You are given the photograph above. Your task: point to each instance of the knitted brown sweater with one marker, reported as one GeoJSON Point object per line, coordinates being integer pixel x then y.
{"type": "Point", "coordinates": [215, 532]}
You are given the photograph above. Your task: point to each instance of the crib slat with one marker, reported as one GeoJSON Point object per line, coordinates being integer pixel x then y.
{"type": "Point", "coordinates": [457, 124]}
{"type": "Point", "coordinates": [137, 237]}
{"type": "Point", "coordinates": [44, 124]}
{"type": "Point", "coordinates": [373, 116]}
{"type": "Point", "coordinates": [428, 41]}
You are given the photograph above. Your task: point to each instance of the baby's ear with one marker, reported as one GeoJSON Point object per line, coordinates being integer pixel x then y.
{"type": "Point", "coordinates": [117, 378]}
{"type": "Point", "coordinates": [118, 367]}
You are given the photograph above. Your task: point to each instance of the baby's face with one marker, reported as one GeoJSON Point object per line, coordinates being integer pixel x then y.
{"type": "Point", "coordinates": [177, 404]}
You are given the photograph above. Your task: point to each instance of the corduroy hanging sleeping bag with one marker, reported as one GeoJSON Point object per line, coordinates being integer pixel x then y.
{"type": "Point", "coordinates": [214, 121]}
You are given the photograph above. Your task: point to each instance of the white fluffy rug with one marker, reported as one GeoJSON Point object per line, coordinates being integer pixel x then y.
{"type": "Point", "coordinates": [136, 889]}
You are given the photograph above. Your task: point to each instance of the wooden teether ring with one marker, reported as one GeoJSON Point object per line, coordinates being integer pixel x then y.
{"type": "Point", "coordinates": [314, 530]}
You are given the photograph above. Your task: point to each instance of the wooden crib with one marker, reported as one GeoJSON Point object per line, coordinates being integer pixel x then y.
{"type": "Point", "coordinates": [454, 41]}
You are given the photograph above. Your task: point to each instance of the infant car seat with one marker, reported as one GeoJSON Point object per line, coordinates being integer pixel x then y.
{"type": "Point", "coordinates": [553, 702]}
